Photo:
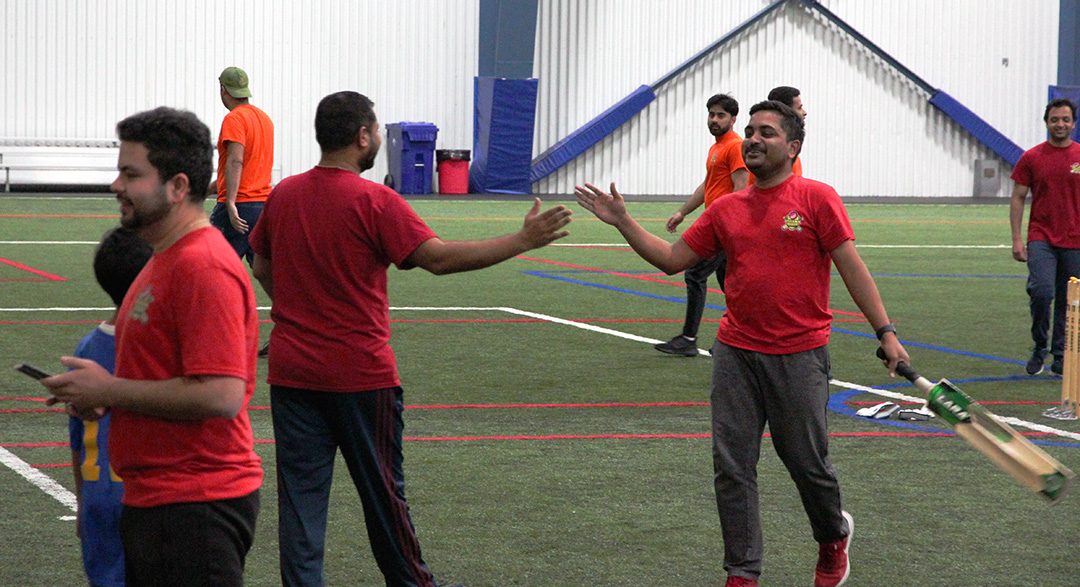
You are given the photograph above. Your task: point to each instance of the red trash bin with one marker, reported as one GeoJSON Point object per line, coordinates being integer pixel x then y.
{"type": "Point", "coordinates": [453, 167]}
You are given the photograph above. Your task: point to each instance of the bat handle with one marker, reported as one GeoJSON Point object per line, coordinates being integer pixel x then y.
{"type": "Point", "coordinates": [902, 368]}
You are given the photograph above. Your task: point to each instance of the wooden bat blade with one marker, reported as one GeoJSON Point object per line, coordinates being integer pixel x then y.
{"type": "Point", "coordinates": [1021, 459]}
{"type": "Point", "coordinates": [1001, 443]}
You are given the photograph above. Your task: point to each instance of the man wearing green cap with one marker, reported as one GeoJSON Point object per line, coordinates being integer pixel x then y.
{"type": "Point", "coordinates": [245, 148]}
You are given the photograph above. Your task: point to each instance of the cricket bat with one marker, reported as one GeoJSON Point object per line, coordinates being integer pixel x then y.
{"type": "Point", "coordinates": [1001, 443]}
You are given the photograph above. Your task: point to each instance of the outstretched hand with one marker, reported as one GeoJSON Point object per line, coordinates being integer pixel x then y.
{"type": "Point", "coordinates": [609, 208]}
{"type": "Point", "coordinates": [542, 228]}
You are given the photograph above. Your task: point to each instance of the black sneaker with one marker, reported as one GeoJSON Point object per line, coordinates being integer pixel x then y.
{"type": "Point", "coordinates": [1035, 363]}
{"type": "Point", "coordinates": [680, 345]}
{"type": "Point", "coordinates": [264, 351]}
{"type": "Point", "coordinates": [1057, 367]}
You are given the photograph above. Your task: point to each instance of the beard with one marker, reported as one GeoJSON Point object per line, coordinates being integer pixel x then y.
{"type": "Point", "coordinates": [368, 160]}
{"type": "Point", "coordinates": [719, 131]}
{"type": "Point", "coordinates": [154, 209]}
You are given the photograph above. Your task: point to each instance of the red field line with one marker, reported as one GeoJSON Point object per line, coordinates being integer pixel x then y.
{"type": "Point", "coordinates": [608, 272]}
{"type": "Point", "coordinates": [615, 436]}
{"type": "Point", "coordinates": [28, 269]}
{"type": "Point", "coordinates": [534, 437]}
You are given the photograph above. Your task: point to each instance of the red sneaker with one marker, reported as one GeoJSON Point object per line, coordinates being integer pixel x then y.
{"type": "Point", "coordinates": [733, 581]}
{"type": "Point", "coordinates": [833, 565]}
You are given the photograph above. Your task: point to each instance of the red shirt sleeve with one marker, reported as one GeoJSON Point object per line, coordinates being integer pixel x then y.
{"type": "Point", "coordinates": [703, 237]}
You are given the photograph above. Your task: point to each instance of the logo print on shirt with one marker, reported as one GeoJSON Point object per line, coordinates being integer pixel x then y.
{"type": "Point", "coordinates": [1075, 168]}
{"type": "Point", "coordinates": [141, 305]}
{"type": "Point", "coordinates": [792, 221]}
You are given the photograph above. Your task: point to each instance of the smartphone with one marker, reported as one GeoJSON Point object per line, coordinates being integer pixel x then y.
{"type": "Point", "coordinates": [32, 371]}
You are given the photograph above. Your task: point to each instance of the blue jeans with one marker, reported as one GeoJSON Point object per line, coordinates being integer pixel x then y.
{"type": "Point", "coordinates": [250, 212]}
{"type": "Point", "coordinates": [1049, 270]}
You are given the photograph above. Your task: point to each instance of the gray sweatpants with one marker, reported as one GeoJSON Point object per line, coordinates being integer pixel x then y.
{"type": "Point", "coordinates": [790, 392]}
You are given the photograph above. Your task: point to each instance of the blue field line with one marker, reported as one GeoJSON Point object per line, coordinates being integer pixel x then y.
{"type": "Point", "coordinates": [682, 300]}
{"type": "Point", "coordinates": [679, 300]}
{"type": "Point", "coordinates": [834, 274]}
{"type": "Point", "coordinates": [838, 404]}
{"type": "Point", "coordinates": [932, 347]}
{"type": "Point", "coordinates": [1033, 378]}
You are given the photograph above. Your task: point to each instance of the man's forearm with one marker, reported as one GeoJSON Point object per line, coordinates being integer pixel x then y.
{"type": "Point", "coordinates": [648, 246]}
{"type": "Point", "coordinates": [233, 171]}
{"type": "Point", "coordinates": [1016, 215]}
{"type": "Point", "coordinates": [695, 200]}
{"type": "Point", "coordinates": [180, 398]}
{"type": "Point", "coordinates": [446, 257]}
{"type": "Point", "coordinates": [860, 284]}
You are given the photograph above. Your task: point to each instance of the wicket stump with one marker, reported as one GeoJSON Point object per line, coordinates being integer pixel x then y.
{"type": "Point", "coordinates": [1070, 375]}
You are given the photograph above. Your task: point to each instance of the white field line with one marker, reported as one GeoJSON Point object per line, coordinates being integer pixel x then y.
{"type": "Point", "coordinates": [39, 479]}
{"type": "Point", "coordinates": [836, 382]}
{"type": "Point", "coordinates": [48, 242]}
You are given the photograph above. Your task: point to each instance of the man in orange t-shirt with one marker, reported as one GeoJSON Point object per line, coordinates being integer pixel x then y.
{"type": "Point", "coordinates": [725, 173]}
{"type": "Point", "coordinates": [245, 157]}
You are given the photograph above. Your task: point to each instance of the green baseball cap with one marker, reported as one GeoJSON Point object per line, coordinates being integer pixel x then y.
{"type": "Point", "coordinates": [235, 82]}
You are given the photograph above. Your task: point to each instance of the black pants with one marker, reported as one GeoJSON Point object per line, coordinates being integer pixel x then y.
{"type": "Point", "coordinates": [697, 283]}
{"type": "Point", "coordinates": [189, 544]}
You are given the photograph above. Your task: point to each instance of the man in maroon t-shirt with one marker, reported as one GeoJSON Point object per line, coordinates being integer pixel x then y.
{"type": "Point", "coordinates": [1051, 172]}
{"type": "Point", "coordinates": [322, 248]}
{"type": "Point", "coordinates": [770, 359]}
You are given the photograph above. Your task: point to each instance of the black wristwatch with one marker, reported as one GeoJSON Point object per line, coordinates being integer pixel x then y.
{"type": "Point", "coordinates": [880, 332]}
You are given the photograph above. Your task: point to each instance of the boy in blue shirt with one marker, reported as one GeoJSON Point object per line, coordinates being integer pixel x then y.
{"type": "Point", "coordinates": [119, 258]}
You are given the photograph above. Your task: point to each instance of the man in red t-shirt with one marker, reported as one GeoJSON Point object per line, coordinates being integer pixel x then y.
{"type": "Point", "coordinates": [1051, 172]}
{"type": "Point", "coordinates": [245, 148]}
{"type": "Point", "coordinates": [770, 359]}
{"type": "Point", "coordinates": [724, 173]}
{"type": "Point", "coordinates": [185, 369]}
{"type": "Point", "coordinates": [322, 249]}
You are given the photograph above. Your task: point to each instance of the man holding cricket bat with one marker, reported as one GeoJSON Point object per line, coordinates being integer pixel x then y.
{"type": "Point", "coordinates": [770, 359]}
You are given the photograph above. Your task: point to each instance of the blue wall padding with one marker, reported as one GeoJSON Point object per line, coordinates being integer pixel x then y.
{"type": "Point", "coordinates": [591, 133]}
{"type": "Point", "coordinates": [1072, 93]}
{"type": "Point", "coordinates": [979, 128]}
{"type": "Point", "coordinates": [503, 121]}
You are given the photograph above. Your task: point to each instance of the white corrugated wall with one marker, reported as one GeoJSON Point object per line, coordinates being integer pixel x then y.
{"type": "Point", "coordinates": [74, 68]}
{"type": "Point", "coordinates": [869, 131]}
